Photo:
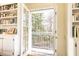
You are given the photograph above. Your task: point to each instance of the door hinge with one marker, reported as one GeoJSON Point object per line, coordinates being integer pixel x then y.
{"type": "Point", "coordinates": [55, 31]}
{"type": "Point", "coordinates": [75, 44]}
{"type": "Point", "coordinates": [55, 50]}
{"type": "Point", "coordinates": [55, 13]}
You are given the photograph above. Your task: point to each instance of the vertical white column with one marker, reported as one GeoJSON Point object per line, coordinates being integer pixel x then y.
{"type": "Point", "coordinates": [56, 37]}
{"type": "Point", "coordinates": [30, 33]}
{"type": "Point", "coordinates": [17, 41]}
{"type": "Point", "coordinates": [22, 17]}
{"type": "Point", "coordinates": [70, 40]}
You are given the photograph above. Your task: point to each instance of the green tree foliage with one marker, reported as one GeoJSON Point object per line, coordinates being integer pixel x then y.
{"type": "Point", "coordinates": [37, 22]}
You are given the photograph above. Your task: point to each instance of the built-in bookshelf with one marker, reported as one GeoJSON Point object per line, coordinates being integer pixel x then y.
{"type": "Point", "coordinates": [13, 29]}
{"type": "Point", "coordinates": [75, 20]}
{"type": "Point", "coordinates": [8, 19]}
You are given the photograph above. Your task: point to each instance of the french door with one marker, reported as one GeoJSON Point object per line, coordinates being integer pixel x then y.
{"type": "Point", "coordinates": [43, 27]}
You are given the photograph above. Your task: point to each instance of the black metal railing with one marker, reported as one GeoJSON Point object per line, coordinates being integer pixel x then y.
{"type": "Point", "coordinates": [43, 40]}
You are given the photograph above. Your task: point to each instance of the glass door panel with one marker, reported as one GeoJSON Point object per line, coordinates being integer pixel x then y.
{"type": "Point", "coordinates": [25, 30]}
{"type": "Point", "coordinates": [43, 29]}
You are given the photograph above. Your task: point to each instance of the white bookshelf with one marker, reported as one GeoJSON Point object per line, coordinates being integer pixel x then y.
{"type": "Point", "coordinates": [75, 15]}
{"type": "Point", "coordinates": [73, 29]}
{"type": "Point", "coordinates": [11, 29]}
{"type": "Point", "coordinates": [75, 24]}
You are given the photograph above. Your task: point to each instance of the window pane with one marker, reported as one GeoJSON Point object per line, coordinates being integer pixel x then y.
{"type": "Point", "coordinates": [25, 30]}
{"type": "Point", "coordinates": [42, 29]}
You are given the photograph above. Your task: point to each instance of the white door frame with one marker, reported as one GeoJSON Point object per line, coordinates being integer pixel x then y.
{"type": "Point", "coordinates": [70, 40]}
{"type": "Point", "coordinates": [30, 37]}
{"type": "Point", "coordinates": [22, 7]}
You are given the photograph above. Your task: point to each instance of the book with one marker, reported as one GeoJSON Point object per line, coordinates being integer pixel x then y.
{"type": "Point", "coordinates": [73, 27]}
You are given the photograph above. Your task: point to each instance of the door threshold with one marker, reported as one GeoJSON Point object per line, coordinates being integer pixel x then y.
{"type": "Point", "coordinates": [35, 53]}
{"type": "Point", "coordinates": [43, 51]}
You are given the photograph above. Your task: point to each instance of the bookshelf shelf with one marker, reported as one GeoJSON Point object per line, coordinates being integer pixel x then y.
{"type": "Point", "coordinates": [11, 10]}
{"type": "Point", "coordinates": [8, 24]}
{"type": "Point", "coordinates": [75, 21]}
{"type": "Point", "coordinates": [9, 17]}
{"type": "Point", "coordinates": [75, 8]}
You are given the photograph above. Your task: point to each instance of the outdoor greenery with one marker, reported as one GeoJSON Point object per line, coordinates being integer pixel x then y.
{"type": "Point", "coordinates": [37, 22]}
{"type": "Point", "coordinates": [44, 41]}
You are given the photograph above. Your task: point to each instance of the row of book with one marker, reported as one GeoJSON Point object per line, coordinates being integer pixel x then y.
{"type": "Point", "coordinates": [8, 21]}
{"type": "Point", "coordinates": [8, 31]}
{"type": "Point", "coordinates": [8, 7]}
{"type": "Point", "coordinates": [76, 17]}
{"type": "Point", "coordinates": [75, 31]}
{"type": "Point", "coordinates": [75, 5]}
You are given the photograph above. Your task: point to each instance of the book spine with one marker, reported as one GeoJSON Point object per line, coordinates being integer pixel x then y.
{"type": "Point", "coordinates": [73, 27]}
{"type": "Point", "coordinates": [76, 33]}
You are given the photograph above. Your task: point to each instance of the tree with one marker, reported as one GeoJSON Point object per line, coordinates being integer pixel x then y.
{"type": "Point", "coordinates": [37, 22]}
